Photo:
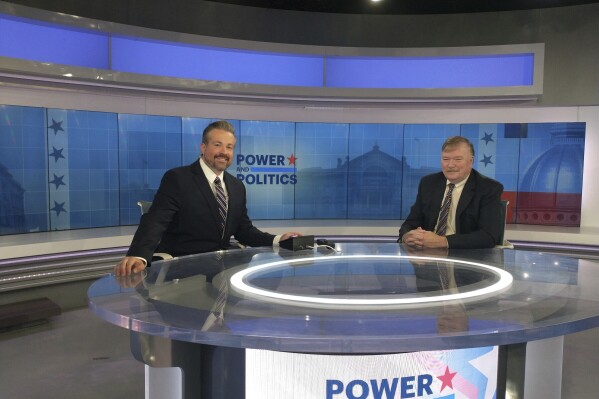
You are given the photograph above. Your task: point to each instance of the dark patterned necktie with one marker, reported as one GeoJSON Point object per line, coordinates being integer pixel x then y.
{"type": "Point", "coordinates": [222, 203]}
{"type": "Point", "coordinates": [444, 213]}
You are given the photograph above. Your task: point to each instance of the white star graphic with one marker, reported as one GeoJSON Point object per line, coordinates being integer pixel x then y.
{"type": "Point", "coordinates": [487, 365]}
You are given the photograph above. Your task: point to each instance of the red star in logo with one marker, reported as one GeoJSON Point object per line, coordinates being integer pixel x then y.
{"type": "Point", "coordinates": [292, 159]}
{"type": "Point", "coordinates": [446, 379]}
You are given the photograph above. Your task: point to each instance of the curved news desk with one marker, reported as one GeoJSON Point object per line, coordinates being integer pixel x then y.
{"type": "Point", "coordinates": [245, 322]}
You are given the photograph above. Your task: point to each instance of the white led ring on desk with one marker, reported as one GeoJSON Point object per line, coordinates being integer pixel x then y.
{"type": "Point", "coordinates": [239, 283]}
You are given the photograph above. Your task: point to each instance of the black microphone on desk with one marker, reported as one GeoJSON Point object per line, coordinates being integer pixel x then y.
{"type": "Point", "coordinates": [297, 243]}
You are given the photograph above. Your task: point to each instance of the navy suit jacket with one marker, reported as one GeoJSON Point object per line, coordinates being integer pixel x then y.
{"type": "Point", "coordinates": [478, 215]}
{"type": "Point", "coordinates": [183, 218]}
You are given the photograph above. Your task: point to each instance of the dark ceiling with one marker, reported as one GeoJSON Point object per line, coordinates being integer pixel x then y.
{"type": "Point", "coordinates": [254, 20]}
{"type": "Point", "coordinates": [392, 7]}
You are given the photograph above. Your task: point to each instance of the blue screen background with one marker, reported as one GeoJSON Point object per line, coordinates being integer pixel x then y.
{"type": "Point", "coordinates": [67, 169]}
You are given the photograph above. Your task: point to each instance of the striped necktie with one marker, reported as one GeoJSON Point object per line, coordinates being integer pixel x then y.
{"type": "Point", "coordinates": [444, 213]}
{"type": "Point", "coordinates": [222, 203]}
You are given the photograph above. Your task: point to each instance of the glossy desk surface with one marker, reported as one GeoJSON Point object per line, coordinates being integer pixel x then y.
{"type": "Point", "coordinates": [361, 298]}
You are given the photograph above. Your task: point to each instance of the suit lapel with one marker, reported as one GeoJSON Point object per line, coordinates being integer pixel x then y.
{"type": "Point", "coordinates": [438, 193]}
{"type": "Point", "coordinates": [231, 196]}
{"type": "Point", "coordinates": [466, 197]}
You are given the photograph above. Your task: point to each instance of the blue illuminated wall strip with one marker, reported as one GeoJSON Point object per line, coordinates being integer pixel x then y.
{"type": "Point", "coordinates": [501, 70]}
{"type": "Point", "coordinates": [215, 64]}
{"type": "Point", "coordinates": [21, 38]}
{"type": "Point", "coordinates": [44, 42]}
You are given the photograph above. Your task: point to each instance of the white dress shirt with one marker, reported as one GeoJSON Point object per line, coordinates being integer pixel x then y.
{"type": "Point", "coordinates": [210, 175]}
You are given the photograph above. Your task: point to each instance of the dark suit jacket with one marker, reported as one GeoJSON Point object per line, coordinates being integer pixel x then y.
{"type": "Point", "coordinates": [183, 219]}
{"type": "Point", "coordinates": [478, 215]}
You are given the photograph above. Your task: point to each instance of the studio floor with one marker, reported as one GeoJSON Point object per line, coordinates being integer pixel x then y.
{"type": "Point", "coordinates": [78, 355]}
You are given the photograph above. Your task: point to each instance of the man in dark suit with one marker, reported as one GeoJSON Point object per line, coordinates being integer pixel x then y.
{"type": "Point", "coordinates": [185, 217]}
{"type": "Point", "coordinates": [472, 217]}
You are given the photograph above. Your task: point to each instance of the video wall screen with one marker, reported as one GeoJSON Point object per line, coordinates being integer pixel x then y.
{"type": "Point", "coordinates": [67, 169]}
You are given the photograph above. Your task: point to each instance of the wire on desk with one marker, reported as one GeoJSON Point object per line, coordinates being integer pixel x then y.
{"type": "Point", "coordinates": [325, 246]}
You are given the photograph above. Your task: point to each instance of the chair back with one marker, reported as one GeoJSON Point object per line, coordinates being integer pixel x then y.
{"type": "Point", "coordinates": [504, 204]}
{"type": "Point", "coordinates": [144, 206]}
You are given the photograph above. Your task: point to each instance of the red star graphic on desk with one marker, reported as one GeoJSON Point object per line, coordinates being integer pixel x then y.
{"type": "Point", "coordinates": [446, 379]}
{"type": "Point", "coordinates": [292, 159]}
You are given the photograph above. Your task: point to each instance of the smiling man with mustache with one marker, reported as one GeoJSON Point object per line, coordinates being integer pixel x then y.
{"type": "Point", "coordinates": [185, 217]}
{"type": "Point", "coordinates": [457, 207]}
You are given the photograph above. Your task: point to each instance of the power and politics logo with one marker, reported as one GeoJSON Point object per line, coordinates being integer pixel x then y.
{"type": "Point", "coordinates": [267, 169]}
{"type": "Point", "coordinates": [469, 373]}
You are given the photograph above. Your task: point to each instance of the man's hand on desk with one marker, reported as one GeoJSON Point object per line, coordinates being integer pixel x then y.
{"type": "Point", "coordinates": [128, 265]}
{"type": "Point", "coordinates": [290, 235]}
{"type": "Point", "coordinates": [423, 239]}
